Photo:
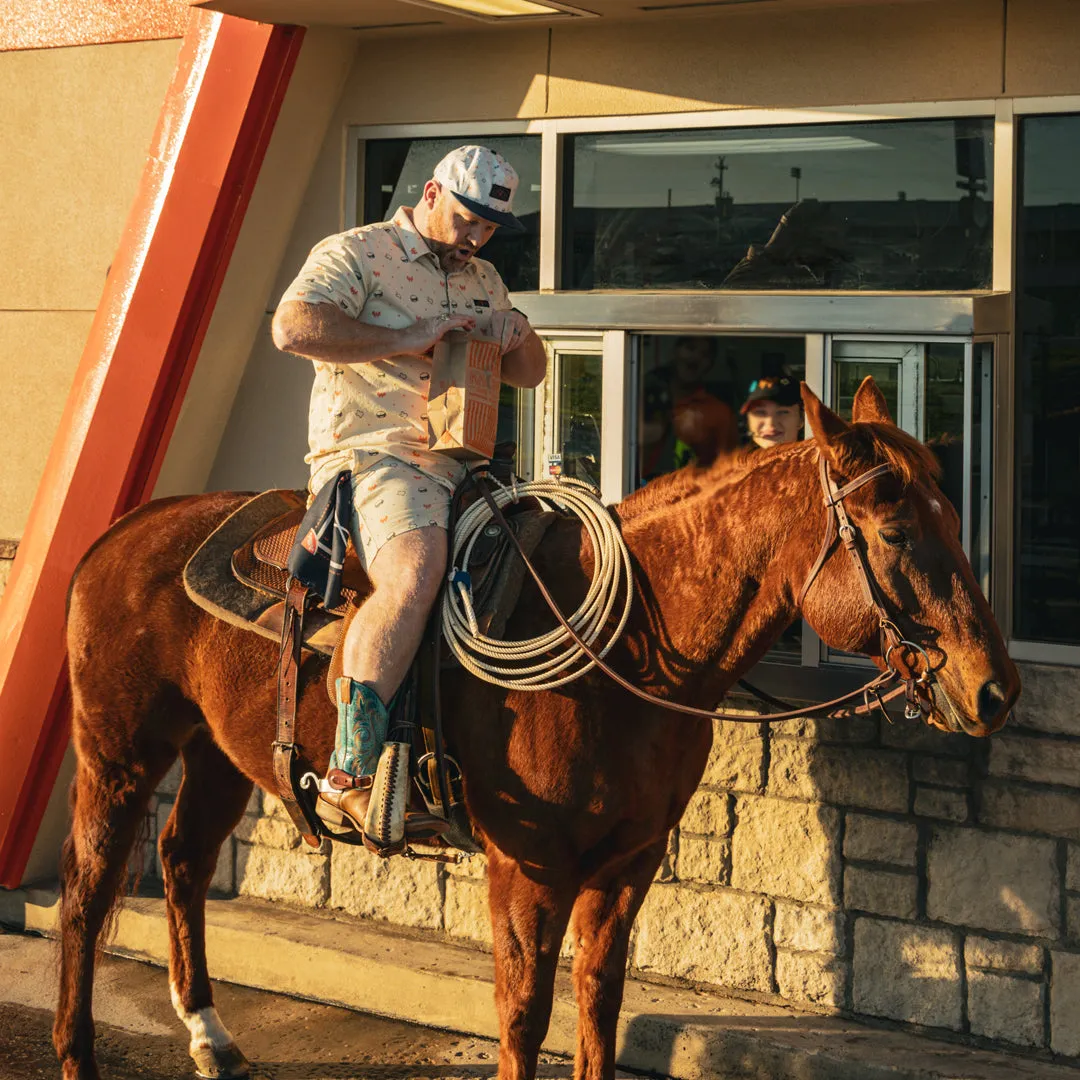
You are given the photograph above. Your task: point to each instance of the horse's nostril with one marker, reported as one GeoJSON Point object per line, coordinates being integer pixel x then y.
{"type": "Point", "coordinates": [991, 700]}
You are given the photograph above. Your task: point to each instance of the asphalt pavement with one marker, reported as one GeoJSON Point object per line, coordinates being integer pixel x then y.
{"type": "Point", "coordinates": [140, 1038]}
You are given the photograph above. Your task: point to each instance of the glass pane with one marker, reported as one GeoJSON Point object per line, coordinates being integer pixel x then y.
{"type": "Point", "coordinates": [579, 415]}
{"type": "Point", "coordinates": [514, 417]}
{"type": "Point", "coordinates": [690, 390]}
{"type": "Point", "coordinates": [888, 205]}
{"type": "Point", "coordinates": [943, 398]}
{"type": "Point", "coordinates": [982, 403]}
{"type": "Point", "coordinates": [848, 374]}
{"type": "Point", "coordinates": [1046, 598]}
{"type": "Point", "coordinates": [395, 171]}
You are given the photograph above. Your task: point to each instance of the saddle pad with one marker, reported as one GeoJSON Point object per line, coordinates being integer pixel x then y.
{"type": "Point", "coordinates": [262, 562]}
{"type": "Point", "coordinates": [210, 583]}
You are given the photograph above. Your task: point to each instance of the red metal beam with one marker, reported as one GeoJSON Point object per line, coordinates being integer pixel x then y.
{"type": "Point", "coordinates": [212, 135]}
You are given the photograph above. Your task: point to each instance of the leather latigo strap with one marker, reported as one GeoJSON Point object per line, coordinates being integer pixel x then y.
{"type": "Point", "coordinates": [285, 755]}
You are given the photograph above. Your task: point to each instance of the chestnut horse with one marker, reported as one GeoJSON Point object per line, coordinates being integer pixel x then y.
{"type": "Point", "coordinates": [573, 793]}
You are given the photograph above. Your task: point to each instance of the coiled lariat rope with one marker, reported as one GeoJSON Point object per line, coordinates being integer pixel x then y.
{"type": "Point", "coordinates": [552, 659]}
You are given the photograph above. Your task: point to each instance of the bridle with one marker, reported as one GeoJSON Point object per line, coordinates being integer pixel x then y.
{"type": "Point", "coordinates": [839, 526]}
{"type": "Point", "coordinates": [917, 689]}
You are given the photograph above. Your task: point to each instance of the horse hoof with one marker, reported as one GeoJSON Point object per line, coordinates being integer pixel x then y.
{"type": "Point", "coordinates": [225, 1064]}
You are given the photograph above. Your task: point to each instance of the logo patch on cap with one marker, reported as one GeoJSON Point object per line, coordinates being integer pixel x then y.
{"type": "Point", "coordinates": [500, 193]}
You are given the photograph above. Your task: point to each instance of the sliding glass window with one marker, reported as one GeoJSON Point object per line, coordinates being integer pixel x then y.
{"type": "Point", "coordinates": [896, 205]}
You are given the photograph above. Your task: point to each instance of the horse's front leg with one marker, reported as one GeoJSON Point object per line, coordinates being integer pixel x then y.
{"type": "Point", "coordinates": [211, 800]}
{"type": "Point", "coordinates": [529, 919]}
{"type": "Point", "coordinates": [603, 916]}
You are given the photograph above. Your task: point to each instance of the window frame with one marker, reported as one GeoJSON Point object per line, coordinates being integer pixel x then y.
{"type": "Point", "coordinates": [816, 314]}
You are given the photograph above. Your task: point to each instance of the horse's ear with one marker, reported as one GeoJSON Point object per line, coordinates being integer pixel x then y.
{"type": "Point", "coordinates": [869, 405]}
{"type": "Point", "coordinates": [825, 426]}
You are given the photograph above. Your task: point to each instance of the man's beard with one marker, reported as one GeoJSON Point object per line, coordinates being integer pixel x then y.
{"type": "Point", "coordinates": [451, 256]}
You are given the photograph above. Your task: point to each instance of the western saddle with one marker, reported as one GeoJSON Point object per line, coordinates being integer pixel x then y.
{"type": "Point", "coordinates": [241, 574]}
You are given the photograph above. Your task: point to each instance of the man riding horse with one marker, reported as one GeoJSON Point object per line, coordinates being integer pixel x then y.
{"type": "Point", "coordinates": [367, 308]}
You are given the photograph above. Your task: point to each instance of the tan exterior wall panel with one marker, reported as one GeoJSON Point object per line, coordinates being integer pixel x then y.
{"type": "Point", "coordinates": [266, 438]}
{"type": "Point", "coordinates": [313, 95]}
{"type": "Point", "coordinates": [39, 352]}
{"type": "Point", "coordinates": [891, 53]}
{"type": "Point", "coordinates": [487, 75]}
{"type": "Point", "coordinates": [322, 209]}
{"type": "Point", "coordinates": [75, 128]}
{"type": "Point", "coordinates": [1043, 54]}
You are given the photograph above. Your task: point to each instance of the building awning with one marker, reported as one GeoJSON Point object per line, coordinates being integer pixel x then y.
{"type": "Point", "coordinates": [433, 15]}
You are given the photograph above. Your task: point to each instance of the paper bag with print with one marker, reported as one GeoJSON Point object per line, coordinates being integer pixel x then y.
{"type": "Point", "coordinates": [463, 396]}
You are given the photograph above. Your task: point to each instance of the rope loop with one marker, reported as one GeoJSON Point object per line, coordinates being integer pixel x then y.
{"type": "Point", "coordinates": [553, 659]}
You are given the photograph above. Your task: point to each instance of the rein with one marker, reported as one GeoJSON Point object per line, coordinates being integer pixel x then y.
{"type": "Point", "coordinates": [874, 693]}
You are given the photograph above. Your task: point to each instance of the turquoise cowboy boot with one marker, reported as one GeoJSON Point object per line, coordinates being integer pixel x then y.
{"type": "Point", "coordinates": [362, 727]}
{"type": "Point", "coordinates": [345, 803]}
{"type": "Point", "coordinates": [363, 721]}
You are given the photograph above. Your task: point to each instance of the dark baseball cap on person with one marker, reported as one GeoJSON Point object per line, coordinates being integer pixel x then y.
{"type": "Point", "coordinates": [483, 182]}
{"type": "Point", "coordinates": [779, 388]}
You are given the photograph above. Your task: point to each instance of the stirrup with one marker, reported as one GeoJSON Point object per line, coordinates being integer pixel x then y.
{"type": "Point", "coordinates": [323, 785]}
{"type": "Point", "coordinates": [384, 827]}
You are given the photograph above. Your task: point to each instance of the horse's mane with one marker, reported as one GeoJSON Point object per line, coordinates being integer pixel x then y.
{"type": "Point", "coordinates": [675, 486]}
{"type": "Point", "coordinates": [866, 444]}
{"type": "Point", "coordinates": [873, 444]}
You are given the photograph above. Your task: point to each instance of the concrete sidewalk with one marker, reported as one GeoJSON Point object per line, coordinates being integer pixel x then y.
{"type": "Point", "coordinates": [679, 1033]}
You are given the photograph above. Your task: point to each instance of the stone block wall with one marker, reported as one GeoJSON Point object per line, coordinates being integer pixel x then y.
{"type": "Point", "coordinates": [885, 870]}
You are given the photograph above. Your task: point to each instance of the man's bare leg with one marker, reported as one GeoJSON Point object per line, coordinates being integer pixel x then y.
{"type": "Point", "coordinates": [382, 640]}
{"type": "Point", "coordinates": [406, 574]}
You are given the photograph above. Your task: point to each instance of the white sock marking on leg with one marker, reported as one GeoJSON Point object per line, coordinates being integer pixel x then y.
{"type": "Point", "coordinates": [205, 1026]}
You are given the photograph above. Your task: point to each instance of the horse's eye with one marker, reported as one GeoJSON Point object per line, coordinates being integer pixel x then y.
{"type": "Point", "coordinates": [893, 537]}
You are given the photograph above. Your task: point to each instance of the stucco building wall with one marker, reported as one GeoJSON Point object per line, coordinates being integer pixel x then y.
{"type": "Point", "coordinates": [75, 128]}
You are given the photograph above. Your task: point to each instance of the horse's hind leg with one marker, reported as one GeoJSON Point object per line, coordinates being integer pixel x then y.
{"type": "Point", "coordinates": [529, 920]}
{"type": "Point", "coordinates": [211, 800]}
{"type": "Point", "coordinates": [109, 801]}
{"type": "Point", "coordinates": [603, 916]}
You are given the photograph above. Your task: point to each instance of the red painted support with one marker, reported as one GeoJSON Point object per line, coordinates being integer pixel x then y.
{"type": "Point", "coordinates": [211, 138]}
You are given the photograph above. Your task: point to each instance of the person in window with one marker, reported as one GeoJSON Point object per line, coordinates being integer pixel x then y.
{"type": "Point", "coordinates": [684, 417]}
{"type": "Point", "coordinates": [367, 308]}
{"type": "Point", "coordinates": [773, 412]}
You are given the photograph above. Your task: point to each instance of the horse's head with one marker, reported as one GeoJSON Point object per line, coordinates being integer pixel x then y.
{"type": "Point", "coordinates": [909, 535]}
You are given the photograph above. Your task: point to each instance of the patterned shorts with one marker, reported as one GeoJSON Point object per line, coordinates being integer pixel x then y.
{"type": "Point", "coordinates": [391, 498]}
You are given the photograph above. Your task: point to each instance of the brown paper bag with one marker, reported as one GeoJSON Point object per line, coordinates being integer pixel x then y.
{"type": "Point", "coordinates": [463, 396]}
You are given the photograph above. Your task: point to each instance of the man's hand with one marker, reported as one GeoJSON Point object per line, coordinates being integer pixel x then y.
{"type": "Point", "coordinates": [511, 328]}
{"type": "Point", "coordinates": [421, 338]}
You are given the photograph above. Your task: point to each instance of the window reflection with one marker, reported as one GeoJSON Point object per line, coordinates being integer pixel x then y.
{"type": "Point", "coordinates": [515, 426]}
{"type": "Point", "coordinates": [395, 171]}
{"type": "Point", "coordinates": [579, 403]}
{"type": "Point", "coordinates": [891, 205]}
{"type": "Point", "coordinates": [1046, 601]}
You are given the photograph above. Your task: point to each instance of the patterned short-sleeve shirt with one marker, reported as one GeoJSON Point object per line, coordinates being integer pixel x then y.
{"type": "Point", "coordinates": [384, 275]}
